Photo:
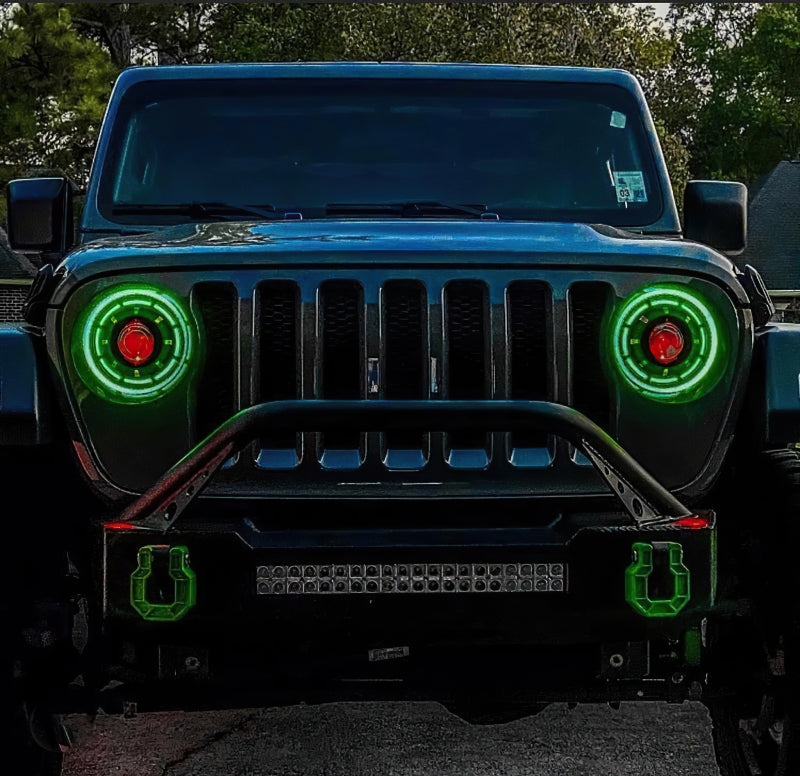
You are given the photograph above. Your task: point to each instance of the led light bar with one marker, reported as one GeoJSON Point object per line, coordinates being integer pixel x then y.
{"type": "Point", "coordinates": [375, 578]}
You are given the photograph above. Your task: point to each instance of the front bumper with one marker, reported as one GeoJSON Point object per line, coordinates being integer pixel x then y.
{"type": "Point", "coordinates": [576, 625]}
{"type": "Point", "coordinates": [585, 601]}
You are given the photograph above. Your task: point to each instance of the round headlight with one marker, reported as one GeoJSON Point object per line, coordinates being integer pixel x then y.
{"type": "Point", "coordinates": [666, 342]}
{"type": "Point", "coordinates": [134, 343]}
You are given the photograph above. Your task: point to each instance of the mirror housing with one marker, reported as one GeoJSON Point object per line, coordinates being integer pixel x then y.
{"type": "Point", "coordinates": [715, 213]}
{"type": "Point", "coordinates": [40, 216]}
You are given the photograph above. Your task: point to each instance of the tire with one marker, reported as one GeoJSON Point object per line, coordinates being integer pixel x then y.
{"type": "Point", "coordinates": [33, 741]}
{"type": "Point", "coordinates": [33, 736]}
{"type": "Point", "coordinates": [755, 706]}
{"type": "Point", "coordinates": [757, 741]}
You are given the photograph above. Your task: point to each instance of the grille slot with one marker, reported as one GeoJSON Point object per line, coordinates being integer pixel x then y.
{"type": "Point", "coordinates": [588, 303]}
{"type": "Point", "coordinates": [405, 356]}
{"type": "Point", "coordinates": [341, 341]}
{"type": "Point", "coordinates": [529, 357]}
{"type": "Point", "coordinates": [467, 359]}
{"type": "Point", "coordinates": [278, 315]}
{"type": "Point", "coordinates": [216, 389]}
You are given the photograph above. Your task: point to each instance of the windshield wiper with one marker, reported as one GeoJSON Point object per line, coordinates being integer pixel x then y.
{"type": "Point", "coordinates": [406, 209]}
{"type": "Point", "coordinates": [196, 210]}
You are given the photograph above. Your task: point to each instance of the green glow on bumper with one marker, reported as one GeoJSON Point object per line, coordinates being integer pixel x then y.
{"type": "Point", "coordinates": [696, 372]}
{"type": "Point", "coordinates": [103, 370]}
{"type": "Point", "coordinates": [185, 594]}
{"type": "Point", "coordinates": [693, 647]}
{"type": "Point", "coordinates": [637, 581]}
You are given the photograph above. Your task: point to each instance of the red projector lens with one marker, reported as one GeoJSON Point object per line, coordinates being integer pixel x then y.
{"type": "Point", "coordinates": [136, 342]}
{"type": "Point", "coordinates": [665, 343]}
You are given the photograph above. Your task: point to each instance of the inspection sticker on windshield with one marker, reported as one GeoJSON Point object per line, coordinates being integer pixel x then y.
{"type": "Point", "coordinates": [630, 186]}
{"type": "Point", "coordinates": [618, 119]}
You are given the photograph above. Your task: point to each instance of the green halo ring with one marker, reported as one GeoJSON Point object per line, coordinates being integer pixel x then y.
{"type": "Point", "coordinates": [102, 369]}
{"type": "Point", "coordinates": [692, 376]}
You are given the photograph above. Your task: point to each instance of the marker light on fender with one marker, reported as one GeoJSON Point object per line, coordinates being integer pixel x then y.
{"type": "Point", "coordinates": [692, 522]}
{"type": "Point", "coordinates": [134, 343]}
{"type": "Point", "coordinates": [666, 342]}
{"type": "Point", "coordinates": [117, 526]}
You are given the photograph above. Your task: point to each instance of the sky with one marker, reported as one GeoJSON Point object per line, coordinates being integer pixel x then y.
{"type": "Point", "coordinates": [660, 8]}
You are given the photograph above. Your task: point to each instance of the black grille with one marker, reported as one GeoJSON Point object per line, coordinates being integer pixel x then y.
{"type": "Point", "coordinates": [341, 337]}
{"type": "Point", "coordinates": [405, 323]}
{"type": "Point", "coordinates": [278, 315]}
{"type": "Point", "coordinates": [467, 367]}
{"type": "Point", "coordinates": [216, 392]}
{"type": "Point", "coordinates": [397, 338]}
{"type": "Point", "coordinates": [529, 352]}
{"type": "Point", "coordinates": [589, 303]}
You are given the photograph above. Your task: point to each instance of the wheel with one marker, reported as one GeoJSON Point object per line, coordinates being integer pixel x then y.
{"type": "Point", "coordinates": [755, 707]}
{"type": "Point", "coordinates": [32, 672]}
{"type": "Point", "coordinates": [757, 732]}
{"type": "Point", "coordinates": [32, 738]}
{"type": "Point", "coordinates": [33, 745]}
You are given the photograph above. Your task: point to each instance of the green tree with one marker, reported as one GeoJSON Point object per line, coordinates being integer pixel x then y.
{"type": "Point", "coordinates": [54, 85]}
{"type": "Point", "coordinates": [745, 58]}
{"type": "Point", "coordinates": [599, 34]}
{"type": "Point", "coordinates": [146, 33]}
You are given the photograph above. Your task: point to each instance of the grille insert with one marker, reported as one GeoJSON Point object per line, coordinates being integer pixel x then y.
{"type": "Point", "coordinates": [279, 355]}
{"type": "Point", "coordinates": [216, 394]}
{"type": "Point", "coordinates": [421, 336]}
{"type": "Point", "coordinates": [405, 322]}
{"type": "Point", "coordinates": [529, 354]}
{"type": "Point", "coordinates": [588, 305]}
{"type": "Point", "coordinates": [468, 364]}
{"type": "Point", "coordinates": [341, 364]}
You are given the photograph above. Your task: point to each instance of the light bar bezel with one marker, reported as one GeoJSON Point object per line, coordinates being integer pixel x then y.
{"type": "Point", "coordinates": [411, 578]}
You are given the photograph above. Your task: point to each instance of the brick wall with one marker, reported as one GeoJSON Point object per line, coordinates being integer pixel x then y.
{"type": "Point", "coordinates": [11, 298]}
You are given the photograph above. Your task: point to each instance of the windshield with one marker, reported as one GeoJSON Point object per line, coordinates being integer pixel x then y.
{"type": "Point", "coordinates": [334, 148]}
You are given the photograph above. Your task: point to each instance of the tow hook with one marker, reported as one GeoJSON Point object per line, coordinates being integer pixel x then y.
{"type": "Point", "coordinates": [184, 584]}
{"type": "Point", "coordinates": [671, 575]}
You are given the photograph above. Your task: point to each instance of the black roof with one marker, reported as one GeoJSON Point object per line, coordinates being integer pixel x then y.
{"type": "Point", "coordinates": [13, 266]}
{"type": "Point", "coordinates": [773, 228]}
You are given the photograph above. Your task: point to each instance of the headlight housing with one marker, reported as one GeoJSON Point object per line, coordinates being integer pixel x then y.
{"type": "Point", "coordinates": [666, 342]}
{"type": "Point", "coordinates": [134, 343]}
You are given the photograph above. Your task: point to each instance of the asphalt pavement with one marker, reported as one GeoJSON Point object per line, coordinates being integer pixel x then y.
{"type": "Point", "coordinates": [396, 739]}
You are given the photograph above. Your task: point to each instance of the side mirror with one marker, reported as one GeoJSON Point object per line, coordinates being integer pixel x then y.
{"type": "Point", "coordinates": [715, 213]}
{"type": "Point", "coordinates": [40, 215]}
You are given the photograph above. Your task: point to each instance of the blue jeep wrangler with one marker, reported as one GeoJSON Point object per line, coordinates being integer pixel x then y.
{"type": "Point", "coordinates": [392, 380]}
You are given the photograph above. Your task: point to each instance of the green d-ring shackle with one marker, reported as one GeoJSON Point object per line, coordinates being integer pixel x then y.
{"type": "Point", "coordinates": [637, 577]}
{"type": "Point", "coordinates": [185, 595]}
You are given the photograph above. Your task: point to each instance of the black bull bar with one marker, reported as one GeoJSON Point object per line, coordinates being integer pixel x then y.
{"type": "Point", "coordinates": [647, 502]}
